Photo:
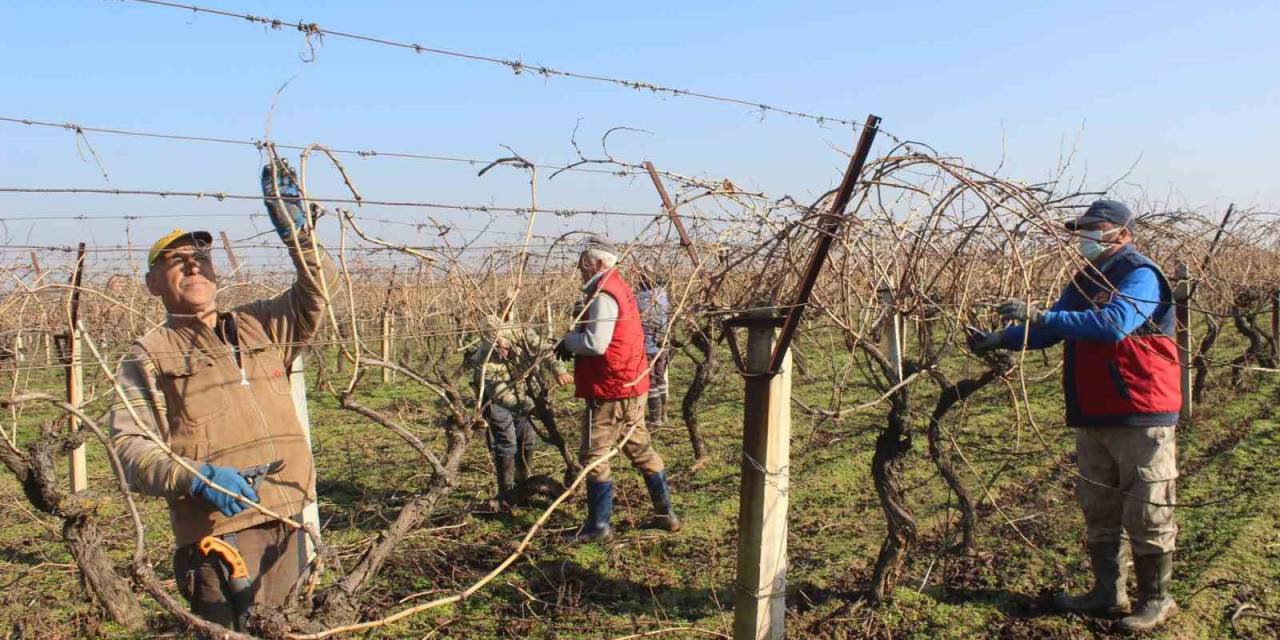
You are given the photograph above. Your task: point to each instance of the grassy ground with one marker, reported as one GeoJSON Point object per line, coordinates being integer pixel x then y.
{"type": "Point", "coordinates": [1030, 540]}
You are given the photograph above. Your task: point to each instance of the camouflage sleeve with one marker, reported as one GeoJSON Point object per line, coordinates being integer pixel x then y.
{"type": "Point", "coordinates": [147, 466]}
{"type": "Point", "coordinates": [475, 362]}
{"type": "Point", "coordinates": [539, 345]}
{"type": "Point", "coordinates": [294, 316]}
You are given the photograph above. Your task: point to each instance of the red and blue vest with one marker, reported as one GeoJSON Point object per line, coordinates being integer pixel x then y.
{"type": "Point", "coordinates": [1132, 382]}
{"type": "Point", "coordinates": [623, 370]}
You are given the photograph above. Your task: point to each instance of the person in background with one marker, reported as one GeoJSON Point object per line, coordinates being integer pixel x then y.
{"type": "Point", "coordinates": [655, 312]}
{"type": "Point", "coordinates": [213, 387]}
{"type": "Point", "coordinates": [501, 367]}
{"type": "Point", "coordinates": [611, 373]}
{"type": "Point", "coordinates": [1123, 397]}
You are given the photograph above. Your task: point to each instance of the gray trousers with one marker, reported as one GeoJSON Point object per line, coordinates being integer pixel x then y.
{"type": "Point", "coordinates": [1128, 485]}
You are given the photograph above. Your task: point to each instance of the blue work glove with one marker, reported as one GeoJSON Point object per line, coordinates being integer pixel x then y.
{"type": "Point", "coordinates": [1019, 311]}
{"type": "Point", "coordinates": [286, 214]}
{"type": "Point", "coordinates": [227, 478]}
{"type": "Point", "coordinates": [984, 343]}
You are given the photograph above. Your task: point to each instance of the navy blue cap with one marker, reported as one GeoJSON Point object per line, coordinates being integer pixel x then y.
{"type": "Point", "coordinates": [1104, 211]}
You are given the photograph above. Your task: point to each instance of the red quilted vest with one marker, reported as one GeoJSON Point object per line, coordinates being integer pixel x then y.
{"type": "Point", "coordinates": [623, 370]}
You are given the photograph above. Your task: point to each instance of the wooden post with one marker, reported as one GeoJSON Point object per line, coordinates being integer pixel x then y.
{"type": "Point", "coordinates": [1275, 322]}
{"type": "Point", "coordinates": [386, 344]}
{"type": "Point", "coordinates": [387, 328]}
{"type": "Point", "coordinates": [231, 256]}
{"type": "Point", "coordinates": [892, 331]}
{"type": "Point", "coordinates": [35, 266]}
{"type": "Point", "coordinates": [760, 596]}
{"type": "Point", "coordinates": [75, 375]}
{"type": "Point", "coordinates": [298, 385]}
{"type": "Point", "coordinates": [1182, 310]}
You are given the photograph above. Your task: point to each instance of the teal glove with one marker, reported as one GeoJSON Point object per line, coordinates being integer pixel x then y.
{"type": "Point", "coordinates": [1020, 311]}
{"type": "Point", "coordinates": [286, 213]}
{"type": "Point", "coordinates": [227, 478]}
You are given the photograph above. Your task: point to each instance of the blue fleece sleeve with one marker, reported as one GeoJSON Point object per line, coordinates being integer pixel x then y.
{"type": "Point", "coordinates": [1136, 299]}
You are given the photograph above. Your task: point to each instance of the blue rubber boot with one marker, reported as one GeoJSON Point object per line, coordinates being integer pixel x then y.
{"type": "Point", "coordinates": [599, 512]}
{"type": "Point", "coordinates": [664, 517]}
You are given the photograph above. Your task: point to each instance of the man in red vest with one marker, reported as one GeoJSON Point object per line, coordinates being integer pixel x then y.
{"type": "Point", "coordinates": [1123, 396]}
{"type": "Point", "coordinates": [611, 373]}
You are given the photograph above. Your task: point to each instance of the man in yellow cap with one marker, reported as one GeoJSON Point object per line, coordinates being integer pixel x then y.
{"type": "Point", "coordinates": [211, 388]}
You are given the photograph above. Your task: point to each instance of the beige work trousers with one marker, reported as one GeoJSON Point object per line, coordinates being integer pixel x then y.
{"type": "Point", "coordinates": [1128, 485]}
{"type": "Point", "coordinates": [604, 422]}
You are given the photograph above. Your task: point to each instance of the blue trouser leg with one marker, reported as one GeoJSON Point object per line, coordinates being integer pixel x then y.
{"type": "Point", "coordinates": [504, 437]}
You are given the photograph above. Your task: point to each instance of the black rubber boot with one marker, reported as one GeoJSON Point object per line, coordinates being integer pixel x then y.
{"type": "Point", "coordinates": [664, 517]}
{"type": "Point", "coordinates": [522, 465]}
{"type": "Point", "coordinates": [505, 466]}
{"type": "Point", "coordinates": [1107, 597]}
{"type": "Point", "coordinates": [599, 512]}
{"type": "Point", "coordinates": [653, 412]}
{"type": "Point", "coordinates": [1155, 605]}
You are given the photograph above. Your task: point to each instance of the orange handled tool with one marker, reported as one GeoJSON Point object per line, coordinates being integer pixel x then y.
{"type": "Point", "coordinates": [238, 580]}
{"type": "Point", "coordinates": [210, 545]}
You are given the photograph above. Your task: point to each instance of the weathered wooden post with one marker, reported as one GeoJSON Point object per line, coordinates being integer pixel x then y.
{"type": "Point", "coordinates": [1275, 322]}
{"type": "Point", "coordinates": [1182, 310]}
{"type": "Point", "coordinates": [79, 479]}
{"type": "Point", "coordinates": [760, 598]}
{"type": "Point", "coordinates": [760, 603]}
{"type": "Point", "coordinates": [386, 344]}
{"type": "Point", "coordinates": [892, 331]}
{"type": "Point", "coordinates": [47, 338]}
{"type": "Point", "coordinates": [388, 327]}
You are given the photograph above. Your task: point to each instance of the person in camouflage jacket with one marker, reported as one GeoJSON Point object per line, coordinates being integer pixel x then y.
{"type": "Point", "coordinates": [502, 367]}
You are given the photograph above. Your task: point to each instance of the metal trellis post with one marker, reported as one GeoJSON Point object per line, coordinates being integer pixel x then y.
{"type": "Point", "coordinates": [231, 256]}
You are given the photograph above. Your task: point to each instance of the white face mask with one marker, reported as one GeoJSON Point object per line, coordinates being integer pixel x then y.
{"type": "Point", "coordinates": [1091, 243]}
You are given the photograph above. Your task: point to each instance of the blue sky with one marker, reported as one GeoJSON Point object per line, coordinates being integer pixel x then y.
{"type": "Point", "coordinates": [1188, 90]}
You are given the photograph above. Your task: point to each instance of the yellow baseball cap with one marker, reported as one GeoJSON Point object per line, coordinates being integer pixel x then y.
{"type": "Point", "coordinates": [197, 237]}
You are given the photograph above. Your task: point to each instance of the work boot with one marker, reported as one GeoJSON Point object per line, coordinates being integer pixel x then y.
{"type": "Point", "coordinates": [505, 467]}
{"type": "Point", "coordinates": [664, 517]}
{"type": "Point", "coordinates": [599, 511]}
{"type": "Point", "coordinates": [1155, 605]}
{"type": "Point", "coordinates": [653, 412]}
{"type": "Point", "coordinates": [522, 465]}
{"type": "Point", "coordinates": [1107, 597]}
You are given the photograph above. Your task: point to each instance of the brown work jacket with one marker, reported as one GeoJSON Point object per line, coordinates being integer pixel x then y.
{"type": "Point", "coordinates": [187, 391]}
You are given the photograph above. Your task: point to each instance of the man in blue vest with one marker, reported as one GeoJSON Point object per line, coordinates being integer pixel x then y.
{"type": "Point", "coordinates": [1123, 395]}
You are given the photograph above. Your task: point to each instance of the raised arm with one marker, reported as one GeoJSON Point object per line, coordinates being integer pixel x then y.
{"type": "Point", "coordinates": [294, 316]}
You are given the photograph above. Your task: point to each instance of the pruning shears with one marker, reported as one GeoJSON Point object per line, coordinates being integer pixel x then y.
{"type": "Point", "coordinates": [259, 471]}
